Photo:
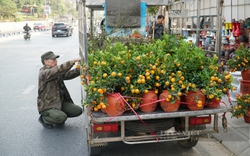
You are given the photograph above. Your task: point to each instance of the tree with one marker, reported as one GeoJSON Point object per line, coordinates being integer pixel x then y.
{"type": "Point", "coordinates": [58, 7]}
{"type": "Point", "coordinates": [19, 4]}
{"type": "Point", "coordinates": [152, 10]}
{"type": "Point", "coordinates": [7, 8]}
{"type": "Point", "coordinates": [71, 10]}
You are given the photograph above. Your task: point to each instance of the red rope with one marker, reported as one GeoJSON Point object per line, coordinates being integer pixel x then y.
{"type": "Point", "coordinates": [118, 95]}
{"type": "Point", "coordinates": [152, 132]}
{"type": "Point", "coordinates": [145, 104]}
{"type": "Point", "coordinates": [229, 99]}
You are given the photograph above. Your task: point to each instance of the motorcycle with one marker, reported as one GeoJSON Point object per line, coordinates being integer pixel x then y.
{"type": "Point", "coordinates": [26, 35]}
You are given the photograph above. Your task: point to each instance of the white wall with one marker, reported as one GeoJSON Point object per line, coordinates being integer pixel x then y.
{"type": "Point", "coordinates": [237, 9]}
{"type": "Point", "coordinates": [17, 26]}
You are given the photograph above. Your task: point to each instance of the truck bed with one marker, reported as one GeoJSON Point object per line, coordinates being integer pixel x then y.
{"type": "Point", "coordinates": [99, 117]}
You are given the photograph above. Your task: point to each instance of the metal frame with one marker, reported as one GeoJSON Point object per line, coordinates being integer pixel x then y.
{"type": "Point", "coordinates": [99, 117]}
{"type": "Point", "coordinates": [198, 17]}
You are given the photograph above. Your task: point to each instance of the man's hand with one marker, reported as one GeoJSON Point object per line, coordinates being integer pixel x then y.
{"type": "Point", "coordinates": [77, 60]}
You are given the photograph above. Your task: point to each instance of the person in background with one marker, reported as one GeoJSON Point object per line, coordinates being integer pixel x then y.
{"type": "Point", "coordinates": [27, 27]}
{"type": "Point", "coordinates": [157, 30]}
{"type": "Point", "coordinates": [243, 40]}
{"type": "Point", "coordinates": [102, 25]}
{"type": "Point", "coordinates": [54, 102]}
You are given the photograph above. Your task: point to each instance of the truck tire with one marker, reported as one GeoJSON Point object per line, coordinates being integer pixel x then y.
{"type": "Point", "coordinates": [94, 151]}
{"type": "Point", "coordinates": [188, 143]}
{"type": "Point", "coordinates": [155, 125]}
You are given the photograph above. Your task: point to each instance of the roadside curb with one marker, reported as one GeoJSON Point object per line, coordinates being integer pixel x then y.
{"type": "Point", "coordinates": [19, 34]}
{"type": "Point", "coordinates": [10, 34]}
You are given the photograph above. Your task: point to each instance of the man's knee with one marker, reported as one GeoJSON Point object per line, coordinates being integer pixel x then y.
{"type": "Point", "coordinates": [77, 112]}
{"type": "Point", "coordinates": [54, 116]}
{"type": "Point", "coordinates": [71, 109]}
{"type": "Point", "coordinates": [60, 118]}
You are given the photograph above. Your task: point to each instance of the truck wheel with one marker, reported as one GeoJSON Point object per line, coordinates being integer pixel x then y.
{"type": "Point", "coordinates": [53, 35]}
{"type": "Point", "coordinates": [188, 143]}
{"type": "Point", "coordinates": [94, 151]}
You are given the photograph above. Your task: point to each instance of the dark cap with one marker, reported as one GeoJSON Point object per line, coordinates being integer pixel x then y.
{"type": "Point", "coordinates": [160, 16]}
{"type": "Point", "coordinates": [48, 55]}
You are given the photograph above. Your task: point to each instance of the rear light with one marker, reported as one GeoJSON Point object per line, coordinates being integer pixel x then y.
{"type": "Point", "coordinates": [200, 120]}
{"type": "Point", "coordinates": [105, 128]}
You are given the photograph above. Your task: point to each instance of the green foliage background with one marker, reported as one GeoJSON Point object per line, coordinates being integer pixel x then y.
{"type": "Point", "coordinates": [152, 10]}
{"type": "Point", "coordinates": [58, 7]}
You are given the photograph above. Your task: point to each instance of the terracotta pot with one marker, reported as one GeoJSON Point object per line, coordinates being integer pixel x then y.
{"type": "Point", "coordinates": [245, 74]}
{"type": "Point", "coordinates": [192, 99]}
{"type": "Point", "coordinates": [148, 105]}
{"type": "Point", "coordinates": [104, 111]}
{"type": "Point", "coordinates": [247, 117]}
{"type": "Point", "coordinates": [116, 105]}
{"type": "Point", "coordinates": [168, 106]}
{"type": "Point", "coordinates": [244, 86]}
{"type": "Point", "coordinates": [213, 103]}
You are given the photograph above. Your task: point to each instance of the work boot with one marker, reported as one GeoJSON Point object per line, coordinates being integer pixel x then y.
{"type": "Point", "coordinates": [49, 126]}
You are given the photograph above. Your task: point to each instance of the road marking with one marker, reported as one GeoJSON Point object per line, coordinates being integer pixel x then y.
{"type": "Point", "coordinates": [29, 89]}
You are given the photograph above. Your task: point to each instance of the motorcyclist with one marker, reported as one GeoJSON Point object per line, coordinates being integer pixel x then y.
{"type": "Point", "coordinates": [27, 29]}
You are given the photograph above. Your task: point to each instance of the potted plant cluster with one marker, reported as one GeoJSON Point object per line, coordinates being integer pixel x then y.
{"type": "Point", "coordinates": [242, 107]}
{"type": "Point", "coordinates": [240, 62]}
{"type": "Point", "coordinates": [171, 66]}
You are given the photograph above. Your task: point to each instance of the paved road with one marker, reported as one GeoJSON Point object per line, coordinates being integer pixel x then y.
{"type": "Point", "coordinates": [20, 132]}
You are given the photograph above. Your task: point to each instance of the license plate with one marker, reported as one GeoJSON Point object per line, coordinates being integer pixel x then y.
{"type": "Point", "coordinates": [58, 30]}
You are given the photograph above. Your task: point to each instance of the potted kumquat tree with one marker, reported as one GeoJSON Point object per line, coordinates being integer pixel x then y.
{"type": "Point", "coordinates": [129, 71]}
